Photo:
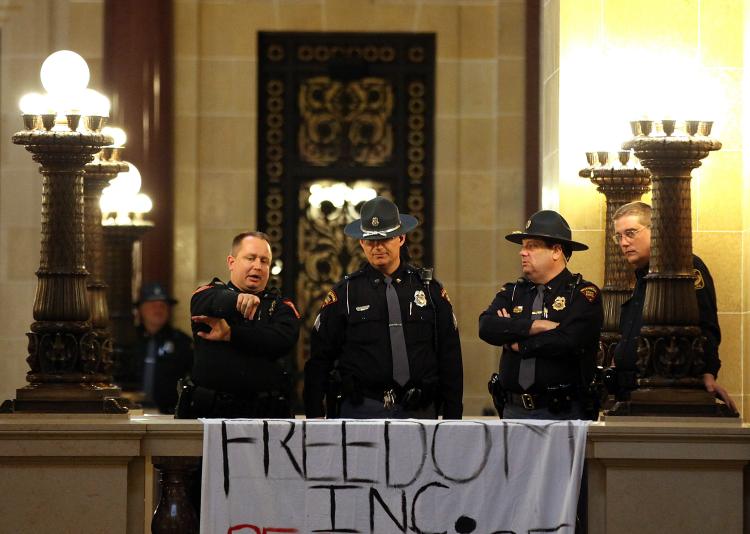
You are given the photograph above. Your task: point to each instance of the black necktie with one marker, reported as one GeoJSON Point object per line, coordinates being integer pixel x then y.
{"type": "Point", "coordinates": [149, 369]}
{"type": "Point", "coordinates": [527, 371]}
{"type": "Point", "coordinates": [396, 329]}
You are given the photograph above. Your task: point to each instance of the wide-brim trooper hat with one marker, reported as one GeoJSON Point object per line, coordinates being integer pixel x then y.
{"type": "Point", "coordinates": [550, 226]}
{"type": "Point", "coordinates": [380, 219]}
{"type": "Point", "coordinates": [153, 291]}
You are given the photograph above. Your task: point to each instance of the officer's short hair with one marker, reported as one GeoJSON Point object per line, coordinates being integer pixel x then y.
{"type": "Point", "coordinates": [237, 241]}
{"type": "Point", "coordinates": [638, 208]}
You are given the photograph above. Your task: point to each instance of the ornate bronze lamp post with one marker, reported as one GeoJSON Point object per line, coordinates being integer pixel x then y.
{"type": "Point", "coordinates": [123, 227]}
{"type": "Point", "coordinates": [69, 361]}
{"type": "Point", "coordinates": [670, 349]}
{"type": "Point", "coordinates": [620, 183]}
{"type": "Point", "coordinates": [118, 274]}
{"type": "Point", "coordinates": [98, 173]}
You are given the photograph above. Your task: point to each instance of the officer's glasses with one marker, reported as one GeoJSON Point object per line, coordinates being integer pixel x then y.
{"type": "Point", "coordinates": [630, 233]}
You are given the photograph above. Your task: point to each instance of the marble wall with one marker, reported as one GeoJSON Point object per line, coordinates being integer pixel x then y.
{"type": "Point", "coordinates": [479, 181]}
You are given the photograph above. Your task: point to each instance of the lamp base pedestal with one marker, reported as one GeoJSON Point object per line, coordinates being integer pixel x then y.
{"type": "Point", "coordinates": [67, 398]}
{"type": "Point", "coordinates": [672, 402]}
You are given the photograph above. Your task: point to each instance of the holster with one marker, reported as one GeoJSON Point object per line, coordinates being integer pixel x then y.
{"type": "Point", "coordinates": [420, 396]}
{"type": "Point", "coordinates": [497, 393]}
{"type": "Point", "coordinates": [619, 382]}
{"type": "Point", "coordinates": [333, 394]}
{"type": "Point", "coordinates": [186, 399]}
{"type": "Point", "coordinates": [196, 401]}
{"type": "Point", "coordinates": [594, 395]}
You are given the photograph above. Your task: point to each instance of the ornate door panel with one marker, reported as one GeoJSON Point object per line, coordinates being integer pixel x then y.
{"type": "Point", "coordinates": [341, 117]}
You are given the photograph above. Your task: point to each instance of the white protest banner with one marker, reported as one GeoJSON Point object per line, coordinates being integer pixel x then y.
{"type": "Point", "coordinates": [484, 477]}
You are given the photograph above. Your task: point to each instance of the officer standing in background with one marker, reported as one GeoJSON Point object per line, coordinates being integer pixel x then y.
{"type": "Point", "coordinates": [632, 224]}
{"type": "Point", "coordinates": [385, 343]}
{"type": "Point", "coordinates": [162, 354]}
{"type": "Point", "coordinates": [242, 332]}
{"type": "Point", "coordinates": [548, 324]}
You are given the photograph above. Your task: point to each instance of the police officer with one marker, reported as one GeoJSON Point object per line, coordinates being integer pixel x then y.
{"type": "Point", "coordinates": [385, 343]}
{"type": "Point", "coordinates": [548, 324]}
{"type": "Point", "coordinates": [162, 354]}
{"type": "Point", "coordinates": [632, 224]}
{"type": "Point", "coordinates": [242, 332]}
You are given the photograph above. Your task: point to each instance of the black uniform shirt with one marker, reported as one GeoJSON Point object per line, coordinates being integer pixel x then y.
{"type": "Point", "coordinates": [249, 362]}
{"type": "Point", "coordinates": [174, 359]}
{"type": "Point", "coordinates": [631, 319]}
{"type": "Point", "coordinates": [352, 328]}
{"type": "Point", "coordinates": [568, 300]}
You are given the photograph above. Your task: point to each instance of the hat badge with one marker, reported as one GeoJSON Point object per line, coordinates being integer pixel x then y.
{"type": "Point", "coordinates": [528, 223]}
{"type": "Point", "coordinates": [375, 221]}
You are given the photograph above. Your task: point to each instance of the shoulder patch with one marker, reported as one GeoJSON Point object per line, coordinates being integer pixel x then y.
{"type": "Point", "coordinates": [201, 288]}
{"type": "Point", "coordinates": [291, 305]}
{"type": "Point", "coordinates": [444, 294]}
{"type": "Point", "coordinates": [590, 292]}
{"type": "Point", "coordinates": [699, 282]}
{"type": "Point", "coordinates": [330, 299]}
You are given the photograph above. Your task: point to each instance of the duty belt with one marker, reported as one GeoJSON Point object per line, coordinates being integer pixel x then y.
{"type": "Point", "coordinates": [409, 398]}
{"type": "Point", "coordinates": [536, 401]}
{"type": "Point", "coordinates": [529, 401]}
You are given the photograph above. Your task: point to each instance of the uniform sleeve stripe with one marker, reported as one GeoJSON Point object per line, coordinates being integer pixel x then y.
{"type": "Point", "coordinates": [291, 305]}
{"type": "Point", "coordinates": [201, 288]}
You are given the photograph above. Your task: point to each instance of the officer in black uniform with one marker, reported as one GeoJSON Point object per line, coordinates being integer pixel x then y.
{"type": "Point", "coordinates": [632, 224]}
{"type": "Point", "coordinates": [242, 333]}
{"type": "Point", "coordinates": [548, 324]}
{"type": "Point", "coordinates": [385, 343]}
{"type": "Point", "coordinates": [162, 354]}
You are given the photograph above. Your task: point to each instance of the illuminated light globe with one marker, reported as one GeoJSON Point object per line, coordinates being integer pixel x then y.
{"type": "Point", "coordinates": [118, 134]}
{"type": "Point", "coordinates": [64, 72]}
{"type": "Point", "coordinates": [108, 204]}
{"type": "Point", "coordinates": [128, 183]}
{"type": "Point", "coordinates": [95, 104]}
{"type": "Point", "coordinates": [142, 204]}
{"type": "Point", "coordinates": [33, 104]}
{"type": "Point", "coordinates": [65, 75]}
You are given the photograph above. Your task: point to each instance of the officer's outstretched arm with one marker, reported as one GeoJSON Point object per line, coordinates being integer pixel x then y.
{"type": "Point", "coordinates": [214, 301]}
